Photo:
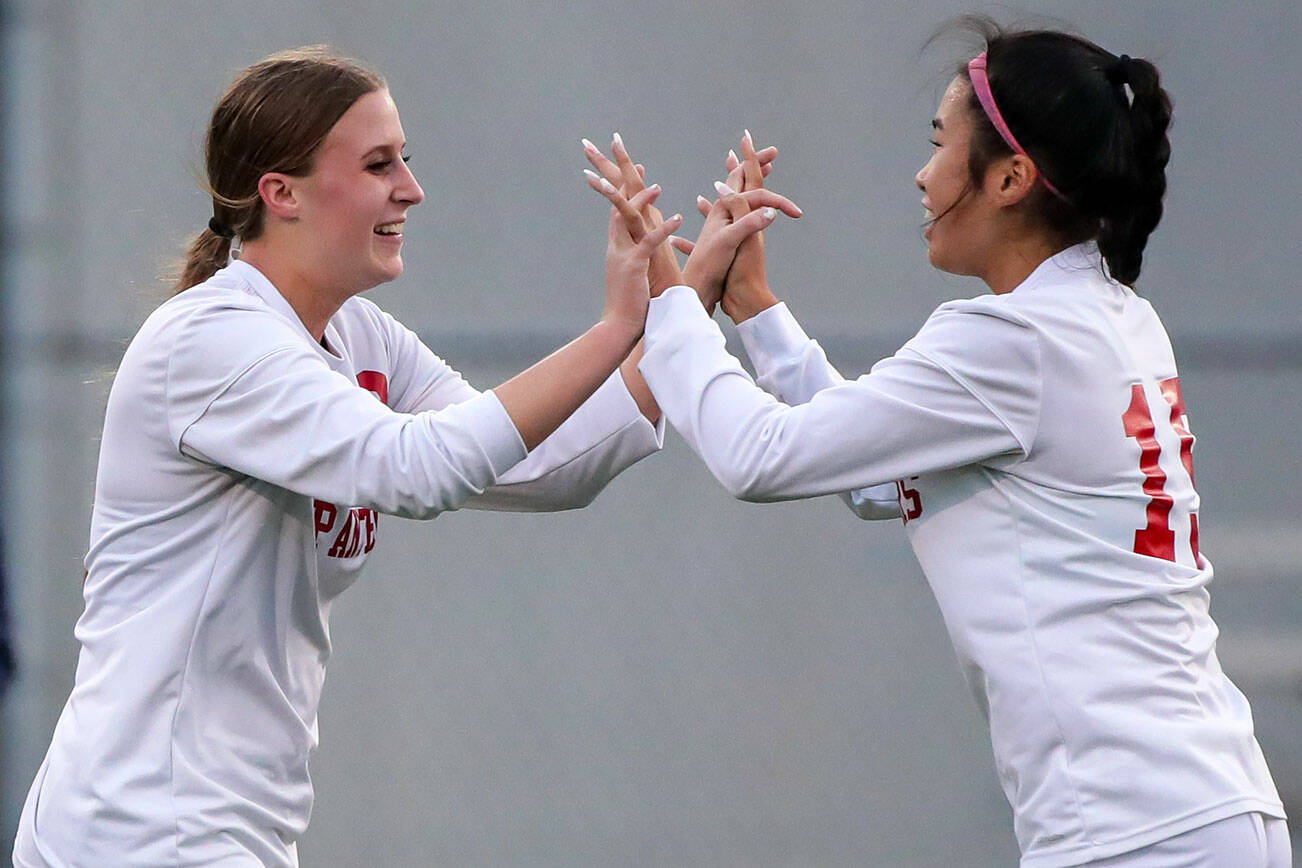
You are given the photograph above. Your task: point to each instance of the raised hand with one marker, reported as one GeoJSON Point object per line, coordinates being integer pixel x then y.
{"type": "Point", "coordinates": [744, 273]}
{"type": "Point", "coordinates": [628, 178]}
{"type": "Point", "coordinates": [630, 246]}
{"type": "Point", "coordinates": [746, 288]}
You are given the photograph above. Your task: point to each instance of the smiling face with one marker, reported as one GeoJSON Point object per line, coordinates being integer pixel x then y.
{"type": "Point", "coordinates": [959, 238]}
{"type": "Point", "coordinates": [352, 206]}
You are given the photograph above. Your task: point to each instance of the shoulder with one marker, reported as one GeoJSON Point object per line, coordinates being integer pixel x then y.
{"type": "Point", "coordinates": [976, 328]}
{"type": "Point", "coordinates": [211, 333]}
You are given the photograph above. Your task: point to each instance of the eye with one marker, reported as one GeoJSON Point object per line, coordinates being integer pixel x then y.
{"type": "Point", "coordinates": [406, 158]}
{"type": "Point", "coordinates": [379, 166]}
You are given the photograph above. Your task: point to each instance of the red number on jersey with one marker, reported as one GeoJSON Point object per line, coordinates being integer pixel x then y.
{"type": "Point", "coordinates": [1157, 539]}
{"type": "Point", "coordinates": [910, 501]}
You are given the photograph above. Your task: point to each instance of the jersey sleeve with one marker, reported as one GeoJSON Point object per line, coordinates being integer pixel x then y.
{"type": "Point", "coordinates": [602, 438]}
{"type": "Point", "coordinates": [963, 391]}
{"type": "Point", "coordinates": [246, 393]}
{"type": "Point", "coordinates": [793, 368]}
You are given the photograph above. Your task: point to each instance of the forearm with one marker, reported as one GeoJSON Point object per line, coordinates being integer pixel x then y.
{"type": "Point", "coordinates": [539, 399]}
{"type": "Point", "coordinates": [636, 384]}
{"type": "Point", "coordinates": [605, 436]}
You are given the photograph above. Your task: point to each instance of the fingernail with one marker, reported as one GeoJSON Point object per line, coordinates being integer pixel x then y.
{"type": "Point", "coordinates": [723, 189]}
{"type": "Point", "coordinates": [607, 186]}
{"type": "Point", "coordinates": [589, 146]}
{"type": "Point", "coordinates": [745, 134]}
{"type": "Point", "coordinates": [618, 140]}
{"type": "Point", "coordinates": [733, 154]}
{"type": "Point", "coordinates": [770, 213]}
{"type": "Point", "coordinates": [799, 213]}
{"type": "Point", "coordinates": [655, 187]}
{"type": "Point", "coordinates": [702, 200]}
{"type": "Point", "coordinates": [675, 218]}
{"type": "Point", "coordinates": [591, 174]}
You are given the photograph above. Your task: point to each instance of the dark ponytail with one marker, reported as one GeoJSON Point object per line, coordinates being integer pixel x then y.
{"type": "Point", "coordinates": [1123, 233]}
{"type": "Point", "coordinates": [1096, 126]}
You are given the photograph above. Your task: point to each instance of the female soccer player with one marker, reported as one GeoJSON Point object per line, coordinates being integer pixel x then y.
{"type": "Point", "coordinates": [1042, 454]}
{"type": "Point", "coordinates": [258, 422]}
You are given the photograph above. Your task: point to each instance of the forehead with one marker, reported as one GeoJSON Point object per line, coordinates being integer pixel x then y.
{"type": "Point", "coordinates": [954, 104]}
{"type": "Point", "coordinates": [369, 123]}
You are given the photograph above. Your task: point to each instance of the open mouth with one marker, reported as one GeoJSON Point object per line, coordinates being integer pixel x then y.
{"type": "Point", "coordinates": [389, 229]}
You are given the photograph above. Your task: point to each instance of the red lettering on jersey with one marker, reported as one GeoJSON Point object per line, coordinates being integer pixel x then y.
{"type": "Point", "coordinates": [910, 501]}
{"type": "Point", "coordinates": [1180, 422]}
{"type": "Point", "coordinates": [368, 521]}
{"type": "Point", "coordinates": [325, 515]}
{"type": "Point", "coordinates": [357, 536]}
{"type": "Point", "coordinates": [1156, 539]}
{"type": "Point", "coordinates": [376, 383]}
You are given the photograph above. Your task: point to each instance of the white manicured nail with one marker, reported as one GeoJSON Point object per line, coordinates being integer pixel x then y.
{"type": "Point", "coordinates": [618, 140]}
{"type": "Point", "coordinates": [589, 146]}
{"type": "Point", "coordinates": [701, 200]}
{"type": "Point", "coordinates": [723, 189]}
{"type": "Point", "coordinates": [591, 174]}
{"type": "Point", "coordinates": [733, 154]}
{"type": "Point", "coordinates": [607, 186]}
{"type": "Point", "coordinates": [770, 213]}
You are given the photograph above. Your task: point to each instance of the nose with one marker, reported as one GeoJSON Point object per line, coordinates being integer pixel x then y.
{"type": "Point", "coordinates": [409, 190]}
{"type": "Point", "coordinates": [921, 178]}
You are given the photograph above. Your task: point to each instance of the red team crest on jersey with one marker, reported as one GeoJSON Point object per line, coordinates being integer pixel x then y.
{"type": "Point", "coordinates": [354, 534]}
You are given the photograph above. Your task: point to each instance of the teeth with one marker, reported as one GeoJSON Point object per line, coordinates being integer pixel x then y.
{"type": "Point", "coordinates": [389, 229]}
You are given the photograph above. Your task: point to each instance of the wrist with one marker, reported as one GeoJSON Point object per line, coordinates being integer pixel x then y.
{"type": "Point", "coordinates": [741, 306]}
{"type": "Point", "coordinates": [621, 330]}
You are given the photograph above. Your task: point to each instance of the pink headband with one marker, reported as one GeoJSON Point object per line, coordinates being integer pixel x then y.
{"type": "Point", "coordinates": [976, 70]}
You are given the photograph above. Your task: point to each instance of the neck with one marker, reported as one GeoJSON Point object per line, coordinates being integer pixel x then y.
{"type": "Point", "coordinates": [1017, 259]}
{"type": "Point", "coordinates": [314, 304]}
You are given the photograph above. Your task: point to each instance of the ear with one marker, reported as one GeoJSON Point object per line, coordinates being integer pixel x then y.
{"type": "Point", "coordinates": [1010, 180]}
{"type": "Point", "coordinates": [279, 195]}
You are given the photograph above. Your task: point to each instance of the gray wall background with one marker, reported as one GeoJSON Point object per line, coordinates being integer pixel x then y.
{"type": "Point", "coordinates": [668, 677]}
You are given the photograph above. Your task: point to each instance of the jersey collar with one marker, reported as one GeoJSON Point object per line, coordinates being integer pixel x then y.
{"type": "Point", "coordinates": [266, 290]}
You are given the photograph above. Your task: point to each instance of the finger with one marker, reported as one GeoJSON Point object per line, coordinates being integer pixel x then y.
{"type": "Point", "coordinates": [766, 155]}
{"type": "Point", "coordinates": [641, 171]}
{"type": "Point", "coordinates": [644, 197]}
{"type": "Point", "coordinates": [658, 235]}
{"type": "Point", "coordinates": [703, 205]}
{"type": "Point", "coordinates": [736, 205]}
{"type": "Point", "coordinates": [682, 245]}
{"type": "Point", "coordinates": [735, 178]}
{"type": "Point", "coordinates": [601, 162]}
{"type": "Point", "coordinates": [752, 174]}
{"type": "Point", "coordinates": [762, 197]}
{"type": "Point", "coordinates": [737, 232]}
{"type": "Point", "coordinates": [765, 168]}
{"type": "Point", "coordinates": [731, 162]}
{"type": "Point", "coordinates": [631, 218]}
{"type": "Point", "coordinates": [747, 146]}
{"type": "Point", "coordinates": [628, 170]}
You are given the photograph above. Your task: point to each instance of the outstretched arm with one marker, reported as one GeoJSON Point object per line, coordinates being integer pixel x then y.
{"type": "Point", "coordinates": [542, 397]}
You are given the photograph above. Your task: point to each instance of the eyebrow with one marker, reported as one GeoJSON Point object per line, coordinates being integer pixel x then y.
{"type": "Point", "coordinates": [382, 150]}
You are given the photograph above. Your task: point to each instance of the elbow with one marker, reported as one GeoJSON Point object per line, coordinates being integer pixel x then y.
{"type": "Point", "coordinates": [747, 486]}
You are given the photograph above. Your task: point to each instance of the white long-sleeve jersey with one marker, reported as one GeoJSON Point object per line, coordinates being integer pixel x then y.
{"type": "Point", "coordinates": [1040, 448]}
{"type": "Point", "coordinates": [240, 474]}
